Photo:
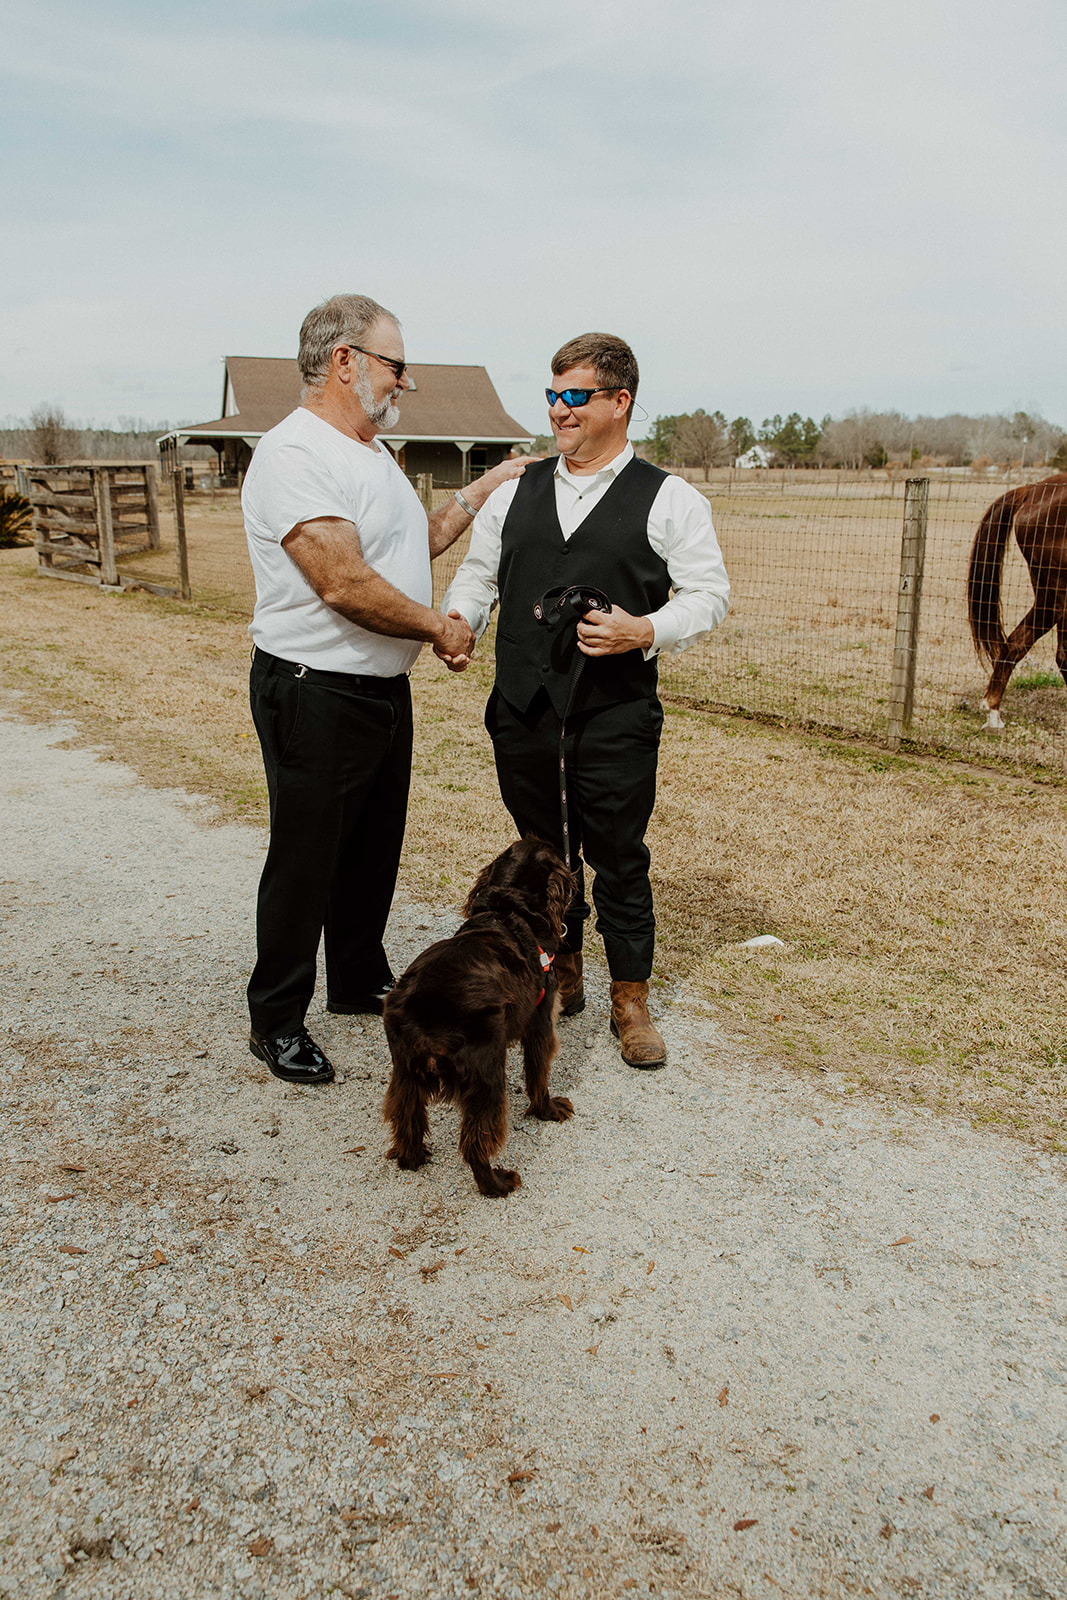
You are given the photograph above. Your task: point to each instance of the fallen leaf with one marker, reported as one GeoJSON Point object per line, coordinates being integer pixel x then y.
{"type": "Point", "coordinates": [479, 1346]}
{"type": "Point", "coordinates": [705, 1174]}
{"type": "Point", "coordinates": [648, 1269]}
{"type": "Point", "coordinates": [935, 1416]}
{"type": "Point", "coordinates": [393, 1251]}
{"type": "Point", "coordinates": [929, 1493]}
{"type": "Point", "coordinates": [54, 1199]}
{"type": "Point", "coordinates": [724, 1395]}
{"type": "Point", "coordinates": [442, 1374]}
{"type": "Point", "coordinates": [71, 1250]}
{"type": "Point", "coordinates": [553, 1527]}
{"type": "Point", "coordinates": [582, 1251]}
{"type": "Point", "coordinates": [565, 1300]}
{"type": "Point", "coordinates": [886, 1531]}
{"type": "Point", "coordinates": [592, 1349]}
{"type": "Point", "coordinates": [520, 1477]}
{"type": "Point", "coordinates": [261, 1547]}
{"type": "Point", "coordinates": [630, 1583]}
{"type": "Point", "coordinates": [277, 1338]}
{"type": "Point", "coordinates": [379, 1438]}
{"type": "Point", "coordinates": [594, 1530]}
{"type": "Point", "coordinates": [909, 1238]}
{"type": "Point", "coordinates": [507, 1335]}
{"type": "Point", "coordinates": [818, 1122]}
{"type": "Point", "coordinates": [70, 1166]}
{"type": "Point", "coordinates": [356, 1150]}
{"type": "Point", "coordinates": [745, 1522]}
{"type": "Point", "coordinates": [461, 1250]}
{"type": "Point", "coordinates": [194, 1504]}
{"type": "Point", "coordinates": [435, 1266]}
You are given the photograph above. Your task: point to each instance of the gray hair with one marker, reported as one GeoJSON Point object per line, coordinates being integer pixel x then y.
{"type": "Point", "coordinates": [341, 318]}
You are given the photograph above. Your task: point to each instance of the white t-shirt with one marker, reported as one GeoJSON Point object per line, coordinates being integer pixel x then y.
{"type": "Point", "coordinates": [306, 468]}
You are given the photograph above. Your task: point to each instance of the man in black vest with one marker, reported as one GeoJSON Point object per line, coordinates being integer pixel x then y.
{"type": "Point", "coordinates": [594, 517]}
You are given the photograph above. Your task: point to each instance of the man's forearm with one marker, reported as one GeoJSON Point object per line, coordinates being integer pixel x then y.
{"type": "Point", "coordinates": [447, 524]}
{"type": "Point", "coordinates": [373, 603]}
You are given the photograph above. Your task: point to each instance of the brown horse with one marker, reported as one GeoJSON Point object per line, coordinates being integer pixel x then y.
{"type": "Point", "coordinates": [1039, 514]}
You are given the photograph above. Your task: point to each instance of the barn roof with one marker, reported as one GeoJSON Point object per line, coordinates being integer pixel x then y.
{"type": "Point", "coordinates": [446, 403]}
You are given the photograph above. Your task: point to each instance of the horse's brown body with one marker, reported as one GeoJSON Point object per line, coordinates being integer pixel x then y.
{"type": "Point", "coordinates": [1038, 513]}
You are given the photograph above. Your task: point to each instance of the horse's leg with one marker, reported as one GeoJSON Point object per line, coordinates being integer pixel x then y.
{"type": "Point", "coordinates": [1061, 640]}
{"type": "Point", "coordinates": [1036, 623]}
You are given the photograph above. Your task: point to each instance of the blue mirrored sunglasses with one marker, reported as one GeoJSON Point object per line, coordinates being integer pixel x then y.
{"type": "Point", "coordinates": [575, 398]}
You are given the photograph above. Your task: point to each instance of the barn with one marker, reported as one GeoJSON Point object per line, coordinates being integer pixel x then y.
{"type": "Point", "coordinates": [452, 424]}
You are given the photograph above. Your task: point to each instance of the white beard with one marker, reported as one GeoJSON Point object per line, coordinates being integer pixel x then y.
{"type": "Point", "coordinates": [379, 413]}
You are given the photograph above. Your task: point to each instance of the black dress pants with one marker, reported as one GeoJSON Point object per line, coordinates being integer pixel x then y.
{"type": "Point", "coordinates": [611, 754]}
{"type": "Point", "coordinates": [337, 753]}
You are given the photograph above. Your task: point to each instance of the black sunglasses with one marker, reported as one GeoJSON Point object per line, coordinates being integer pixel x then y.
{"type": "Point", "coordinates": [399, 367]}
{"type": "Point", "coordinates": [575, 398]}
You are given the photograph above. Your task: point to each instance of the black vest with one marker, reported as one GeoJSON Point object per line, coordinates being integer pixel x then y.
{"type": "Point", "coordinates": [610, 550]}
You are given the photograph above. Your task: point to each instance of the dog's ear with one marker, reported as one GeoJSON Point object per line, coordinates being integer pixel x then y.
{"type": "Point", "coordinates": [484, 878]}
{"type": "Point", "coordinates": [559, 892]}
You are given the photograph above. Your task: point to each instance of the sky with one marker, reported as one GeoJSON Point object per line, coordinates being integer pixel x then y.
{"type": "Point", "coordinates": [800, 205]}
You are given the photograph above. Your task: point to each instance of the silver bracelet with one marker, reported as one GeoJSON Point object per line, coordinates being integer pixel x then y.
{"type": "Point", "coordinates": [468, 508]}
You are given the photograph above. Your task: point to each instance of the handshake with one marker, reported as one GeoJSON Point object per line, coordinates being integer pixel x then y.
{"type": "Point", "coordinates": [455, 643]}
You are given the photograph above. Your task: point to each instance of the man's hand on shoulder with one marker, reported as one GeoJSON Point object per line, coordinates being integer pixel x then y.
{"type": "Point", "coordinates": [479, 491]}
{"type": "Point", "coordinates": [612, 633]}
{"type": "Point", "coordinates": [456, 644]}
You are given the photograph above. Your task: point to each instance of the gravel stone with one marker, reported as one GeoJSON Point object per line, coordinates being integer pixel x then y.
{"type": "Point", "coordinates": [738, 1333]}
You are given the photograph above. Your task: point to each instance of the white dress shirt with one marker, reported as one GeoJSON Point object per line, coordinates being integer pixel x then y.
{"type": "Point", "coordinates": [680, 531]}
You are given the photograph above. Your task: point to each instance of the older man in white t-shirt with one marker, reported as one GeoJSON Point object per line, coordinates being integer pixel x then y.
{"type": "Point", "coordinates": [341, 554]}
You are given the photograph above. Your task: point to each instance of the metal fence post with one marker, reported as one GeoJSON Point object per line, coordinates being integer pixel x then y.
{"type": "Point", "coordinates": [178, 480]}
{"type": "Point", "coordinates": [909, 597]}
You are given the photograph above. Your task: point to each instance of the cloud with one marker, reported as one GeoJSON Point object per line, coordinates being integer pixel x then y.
{"type": "Point", "coordinates": [805, 205]}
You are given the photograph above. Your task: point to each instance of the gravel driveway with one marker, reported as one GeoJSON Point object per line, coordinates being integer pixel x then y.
{"type": "Point", "coordinates": [738, 1334]}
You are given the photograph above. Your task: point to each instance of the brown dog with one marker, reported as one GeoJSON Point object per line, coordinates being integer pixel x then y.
{"type": "Point", "coordinates": [459, 1005]}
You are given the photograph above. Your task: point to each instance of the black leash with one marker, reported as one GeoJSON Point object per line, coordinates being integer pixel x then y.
{"type": "Point", "coordinates": [569, 606]}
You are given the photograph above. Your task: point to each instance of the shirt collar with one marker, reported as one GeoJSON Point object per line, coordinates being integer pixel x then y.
{"type": "Point", "coordinates": [579, 482]}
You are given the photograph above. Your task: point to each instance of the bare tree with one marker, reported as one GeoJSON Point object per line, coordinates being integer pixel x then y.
{"type": "Point", "coordinates": [702, 441]}
{"type": "Point", "coordinates": [49, 437]}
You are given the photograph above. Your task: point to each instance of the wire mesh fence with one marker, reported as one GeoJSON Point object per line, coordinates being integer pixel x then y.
{"type": "Point", "coordinates": [816, 575]}
{"type": "Point", "coordinates": [815, 565]}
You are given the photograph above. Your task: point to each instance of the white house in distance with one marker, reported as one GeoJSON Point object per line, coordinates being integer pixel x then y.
{"type": "Point", "coordinates": [452, 423]}
{"type": "Point", "coordinates": [756, 457]}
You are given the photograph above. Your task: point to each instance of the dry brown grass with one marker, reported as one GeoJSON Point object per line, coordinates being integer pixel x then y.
{"type": "Point", "coordinates": [921, 904]}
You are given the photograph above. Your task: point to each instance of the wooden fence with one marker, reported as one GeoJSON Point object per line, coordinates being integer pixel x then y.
{"type": "Point", "coordinates": [87, 518]}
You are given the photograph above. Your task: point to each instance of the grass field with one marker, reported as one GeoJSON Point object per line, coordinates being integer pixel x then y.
{"type": "Point", "coordinates": [921, 903]}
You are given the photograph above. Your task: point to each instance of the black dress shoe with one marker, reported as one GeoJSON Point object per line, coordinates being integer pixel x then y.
{"type": "Point", "coordinates": [362, 1005]}
{"type": "Point", "coordinates": [293, 1057]}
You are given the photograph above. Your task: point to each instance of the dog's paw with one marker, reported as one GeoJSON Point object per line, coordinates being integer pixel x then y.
{"type": "Point", "coordinates": [409, 1160]}
{"type": "Point", "coordinates": [501, 1181]}
{"type": "Point", "coordinates": [553, 1108]}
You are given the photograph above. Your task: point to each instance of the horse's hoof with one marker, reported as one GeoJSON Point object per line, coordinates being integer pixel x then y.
{"type": "Point", "coordinates": [994, 723]}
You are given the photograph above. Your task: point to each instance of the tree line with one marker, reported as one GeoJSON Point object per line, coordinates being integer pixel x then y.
{"type": "Point", "coordinates": [860, 438]}
{"type": "Point", "coordinates": [48, 438]}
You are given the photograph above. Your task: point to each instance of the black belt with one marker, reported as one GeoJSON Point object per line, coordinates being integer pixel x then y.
{"type": "Point", "coordinates": [366, 683]}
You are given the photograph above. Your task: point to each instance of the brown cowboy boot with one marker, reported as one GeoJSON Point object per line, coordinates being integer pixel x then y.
{"type": "Point", "coordinates": [568, 969]}
{"type": "Point", "coordinates": [641, 1045]}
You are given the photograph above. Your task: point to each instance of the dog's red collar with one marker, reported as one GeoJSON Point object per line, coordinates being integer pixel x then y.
{"type": "Point", "coordinates": [546, 967]}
